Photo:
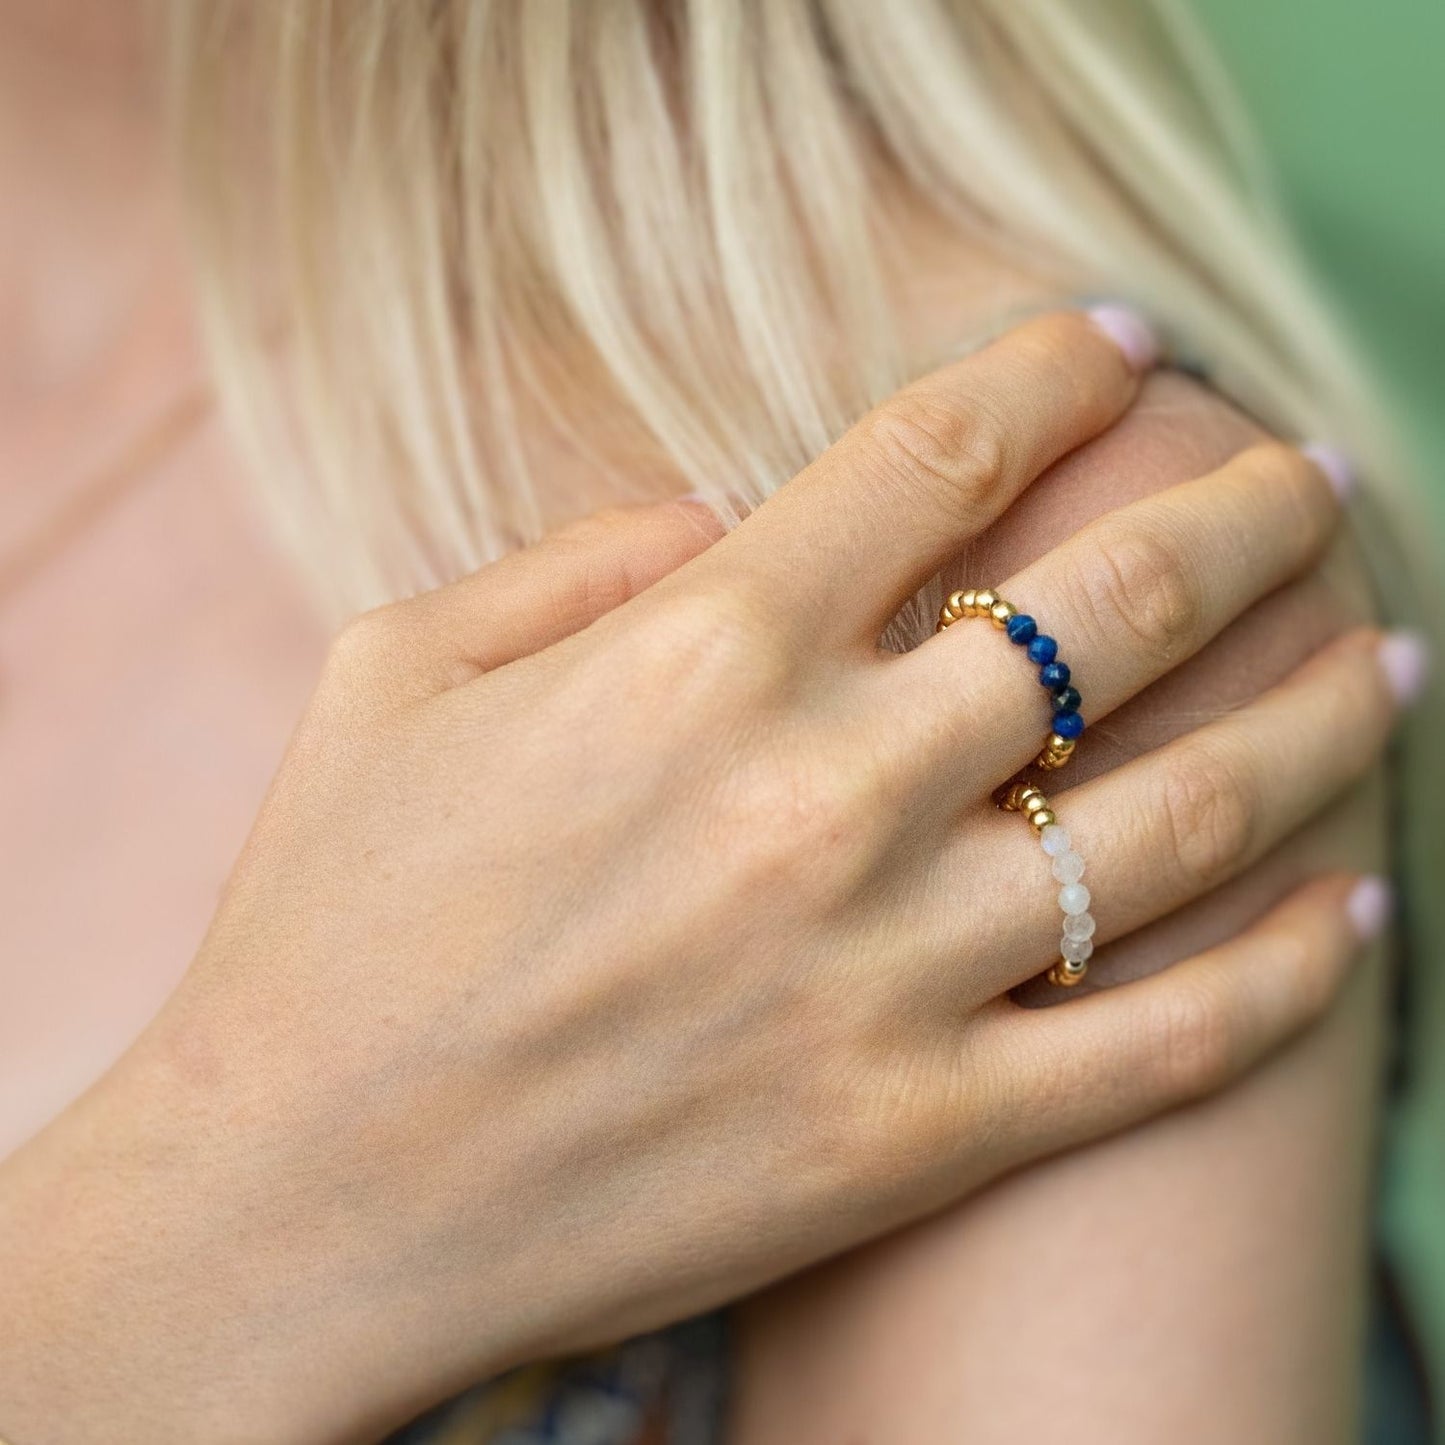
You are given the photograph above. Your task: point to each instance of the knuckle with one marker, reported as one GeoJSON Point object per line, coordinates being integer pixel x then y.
{"type": "Point", "coordinates": [1194, 1045]}
{"type": "Point", "coordinates": [950, 453]}
{"type": "Point", "coordinates": [1140, 584]}
{"type": "Point", "coordinates": [1209, 814]}
{"type": "Point", "coordinates": [691, 642]}
{"type": "Point", "coordinates": [806, 835]}
{"type": "Point", "coordinates": [591, 585]}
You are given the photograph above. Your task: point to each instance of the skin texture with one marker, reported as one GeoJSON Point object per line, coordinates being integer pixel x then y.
{"type": "Point", "coordinates": [1122, 1262]}
{"type": "Point", "coordinates": [378, 1072]}
{"type": "Point", "coordinates": [1203, 1277]}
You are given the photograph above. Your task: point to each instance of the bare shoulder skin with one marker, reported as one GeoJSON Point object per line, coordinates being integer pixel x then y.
{"type": "Point", "coordinates": [1202, 1278]}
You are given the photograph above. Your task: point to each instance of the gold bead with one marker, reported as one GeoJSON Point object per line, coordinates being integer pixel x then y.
{"type": "Point", "coordinates": [1001, 611]}
{"type": "Point", "coordinates": [1042, 818]}
{"type": "Point", "coordinates": [1032, 801]}
{"type": "Point", "coordinates": [954, 604]}
{"type": "Point", "coordinates": [1056, 752]}
{"type": "Point", "coordinates": [1065, 974]}
{"type": "Point", "coordinates": [1010, 797]}
{"type": "Point", "coordinates": [968, 602]}
{"type": "Point", "coordinates": [984, 601]}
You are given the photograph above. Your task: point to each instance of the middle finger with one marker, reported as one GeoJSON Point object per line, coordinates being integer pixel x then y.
{"type": "Point", "coordinates": [1128, 598]}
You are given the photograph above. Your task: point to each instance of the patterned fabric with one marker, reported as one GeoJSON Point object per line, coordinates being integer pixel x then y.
{"type": "Point", "coordinates": [663, 1389]}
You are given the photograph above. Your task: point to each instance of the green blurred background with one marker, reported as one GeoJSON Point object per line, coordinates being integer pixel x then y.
{"type": "Point", "coordinates": [1350, 97]}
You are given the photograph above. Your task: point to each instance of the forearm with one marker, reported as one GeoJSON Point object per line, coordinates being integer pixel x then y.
{"type": "Point", "coordinates": [148, 1287]}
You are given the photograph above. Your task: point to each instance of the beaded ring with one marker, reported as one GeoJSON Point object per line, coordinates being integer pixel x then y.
{"type": "Point", "coordinates": [1077, 943]}
{"type": "Point", "coordinates": [1076, 946]}
{"type": "Point", "coordinates": [1024, 632]}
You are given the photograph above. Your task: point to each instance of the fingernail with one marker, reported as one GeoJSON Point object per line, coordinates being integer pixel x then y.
{"type": "Point", "coordinates": [1129, 331]}
{"type": "Point", "coordinates": [1336, 467]}
{"type": "Point", "coordinates": [1369, 906]}
{"type": "Point", "coordinates": [1405, 658]}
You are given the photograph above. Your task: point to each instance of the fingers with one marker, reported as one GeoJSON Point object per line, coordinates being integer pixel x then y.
{"type": "Point", "coordinates": [1173, 825]}
{"type": "Point", "coordinates": [528, 600]}
{"type": "Point", "coordinates": [1135, 593]}
{"type": "Point", "coordinates": [1107, 1061]}
{"type": "Point", "coordinates": [848, 540]}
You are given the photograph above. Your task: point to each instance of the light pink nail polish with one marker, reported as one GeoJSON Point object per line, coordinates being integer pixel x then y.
{"type": "Point", "coordinates": [1336, 467]}
{"type": "Point", "coordinates": [1405, 658]}
{"type": "Point", "coordinates": [1369, 906]}
{"type": "Point", "coordinates": [1129, 331]}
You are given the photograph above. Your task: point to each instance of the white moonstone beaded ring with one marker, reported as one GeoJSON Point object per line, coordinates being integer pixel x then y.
{"type": "Point", "coordinates": [1077, 943]}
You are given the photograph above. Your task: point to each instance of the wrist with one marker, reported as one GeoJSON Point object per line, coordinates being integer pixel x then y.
{"type": "Point", "coordinates": [135, 1308]}
{"type": "Point", "coordinates": [186, 1258]}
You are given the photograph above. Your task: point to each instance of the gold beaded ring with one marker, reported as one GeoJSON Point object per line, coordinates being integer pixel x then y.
{"type": "Point", "coordinates": [1018, 796]}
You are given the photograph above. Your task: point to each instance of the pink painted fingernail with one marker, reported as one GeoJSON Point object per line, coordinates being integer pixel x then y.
{"type": "Point", "coordinates": [1369, 906]}
{"type": "Point", "coordinates": [1129, 331]}
{"type": "Point", "coordinates": [1336, 467]}
{"type": "Point", "coordinates": [1405, 658]}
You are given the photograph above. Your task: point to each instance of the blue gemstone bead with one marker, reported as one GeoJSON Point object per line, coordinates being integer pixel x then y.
{"type": "Point", "coordinates": [1021, 628]}
{"type": "Point", "coordinates": [1068, 724]}
{"type": "Point", "coordinates": [1054, 675]}
{"type": "Point", "coordinates": [1043, 649]}
{"type": "Point", "coordinates": [1067, 699]}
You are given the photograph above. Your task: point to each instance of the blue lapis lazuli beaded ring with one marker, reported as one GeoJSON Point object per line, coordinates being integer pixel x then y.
{"type": "Point", "coordinates": [1076, 946]}
{"type": "Point", "coordinates": [1043, 651]}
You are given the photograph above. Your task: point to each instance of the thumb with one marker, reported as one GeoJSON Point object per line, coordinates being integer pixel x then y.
{"type": "Point", "coordinates": [531, 599]}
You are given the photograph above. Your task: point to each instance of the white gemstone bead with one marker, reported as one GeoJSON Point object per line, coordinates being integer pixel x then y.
{"type": "Point", "coordinates": [1055, 840]}
{"type": "Point", "coordinates": [1068, 867]}
{"type": "Point", "coordinates": [1074, 898]}
{"type": "Point", "coordinates": [1079, 925]}
{"type": "Point", "coordinates": [1077, 950]}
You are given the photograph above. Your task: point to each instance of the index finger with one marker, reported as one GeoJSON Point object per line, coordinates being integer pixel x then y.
{"type": "Point", "coordinates": [848, 540]}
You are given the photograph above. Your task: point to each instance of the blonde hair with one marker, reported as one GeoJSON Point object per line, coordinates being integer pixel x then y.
{"type": "Point", "coordinates": [661, 223]}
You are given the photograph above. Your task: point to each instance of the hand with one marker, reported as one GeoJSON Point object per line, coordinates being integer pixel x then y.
{"type": "Point", "coordinates": [625, 929]}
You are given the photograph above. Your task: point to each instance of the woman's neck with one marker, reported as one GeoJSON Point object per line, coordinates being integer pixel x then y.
{"type": "Point", "coordinates": [89, 233]}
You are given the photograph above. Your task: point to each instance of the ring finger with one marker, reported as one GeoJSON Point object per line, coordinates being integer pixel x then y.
{"type": "Point", "coordinates": [1175, 823]}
